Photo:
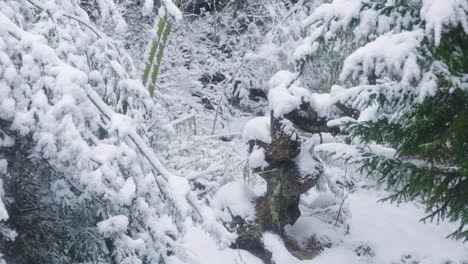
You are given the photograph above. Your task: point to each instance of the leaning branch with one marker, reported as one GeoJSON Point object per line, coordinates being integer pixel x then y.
{"type": "Point", "coordinates": [61, 13]}
{"type": "Point", "coordinates": [143, 148]}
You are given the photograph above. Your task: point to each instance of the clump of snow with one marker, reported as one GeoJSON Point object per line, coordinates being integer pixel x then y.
{"type": "Point", "coordinates": [444, 13]}
{"type": "Point", "coordinates": [237, 198]}
{"type": "Point", "coordinates": [369, 114]}
{"type": "Point", "coordinates": [148, 7]}
{"type": "Point", "coordinates": [308, 165]}
{"type": "Point", "coordinates": [280, 98]}
{"type": "Point", "coordinates": [121, 124]}
{"type": "Point", "coordinates": [6, 140]}
{"type": "Point", "coordinates": [7, 107]}
{"type": "Point", "coordinates": [367, 21]}
{"type": "Point", "coordinates": [3, 212]}
{"type": "Point", "coordinates": [282, 78]}
{"type": "Point", "coordinates": [382, 150]}
{"type": "Point", "coordinates": [180, 188]}
{"type": "Point", "coordinates": [172, 10]}
{"type": "Point", "coordinates": [282, 101]}
{"type": "Point", "coordinates": [215, 228]}
{"type": "Point", "coordinates": [3, 165]}
{"type": "Point", "coordinates": [121, 26]}
{"type": "Point", "coordinates": [203, 249]}
{"type": "Point", "coordinates": [323, 200]}
{"type": "Point", "coordinates": [62, 193]}
{"type": "Point", "coordinates": [391, 52]}
{"type": "Point", "coordinates": [321, 103]}
{"type": "Point", "coordinates": [127, 192]}
{"type": "Point", "coordinates": [113, 225]}
{"type": "Point", "coordinates": [258, 129]}
{"type": "Point", "coordinates": [427, 86]}
{"type": "Point", "coordinates": [307, 48]}
{"type": "Point", "coordinates": [300, 92]}
{"type": "Point", "coordinates": [340, 121]}
{"type": "Point", "coordinates": [339, 151]}
{"type": "Point", "coordinates": [257, 158]}
{"type": "Point", "coordinates": [337, 13]}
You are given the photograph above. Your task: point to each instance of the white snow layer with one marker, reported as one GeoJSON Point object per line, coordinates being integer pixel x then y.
{"type": "Point", "coordinates": [321, 103]}
{"type": "Point", "coordinates": [339, 11]}
{"type": "Point", "coordinates": [443, 13]}
{"type": "Point", "coordinates": [393, 233]}
{"type": "Point", "coordinates": [237, 198]}
{"type": "Point", "coordinates": [172, 9]}
{"type": "Point", "coordinates": [397, 51]}
{"type": "Point", "coordinates": [204, 250]}
{"type": "Point", "coordinates": [113, 225]}
{"type": "Point", "coordinates": [283, 96]}
{"type": "Point", "coordinates": [258, 129]}
{"type": "Point", "coordinates": [257, 158]}
{"type": "Point", "coordinates": [282, 78]}
{"type": "Point", "coordinates": [148, 7]}
{"type": "Point", "coordinates": [282, 101]}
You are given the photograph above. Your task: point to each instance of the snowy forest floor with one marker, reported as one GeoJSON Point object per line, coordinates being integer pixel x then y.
{"type": "Point", "coordinates": [376, 232]}
{"type": "Point", "coordinates": [81, 184]}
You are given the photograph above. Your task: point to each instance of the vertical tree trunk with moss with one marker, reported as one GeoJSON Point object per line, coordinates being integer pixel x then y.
{"type": "Point", "coordinates": [285, 180]}
{"type": "Point", "coordinates": [285, 184]}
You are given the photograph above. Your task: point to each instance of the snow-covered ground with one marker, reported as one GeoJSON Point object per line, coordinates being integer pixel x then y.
{"type": "Point", "coordinates": [394, 233]}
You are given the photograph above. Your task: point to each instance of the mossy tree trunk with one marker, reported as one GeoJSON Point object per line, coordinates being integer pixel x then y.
{"type": "Point", "coordinates": [285, 182]}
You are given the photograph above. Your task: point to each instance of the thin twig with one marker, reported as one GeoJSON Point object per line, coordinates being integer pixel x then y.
{"type": "Point", "coordinates": [341, 205]}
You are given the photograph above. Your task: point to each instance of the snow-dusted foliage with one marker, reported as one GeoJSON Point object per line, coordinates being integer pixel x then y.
{"type": "Point", "coordinates": [397, 57]}
{"type": "Point", "coordinates": [396, 39]}
{"type": "Point", "coordinates": [95, 168]}
{"type": "Point", "coordinates": [227, 57]}
{"type": "Point", "coordinates": [72, 103]}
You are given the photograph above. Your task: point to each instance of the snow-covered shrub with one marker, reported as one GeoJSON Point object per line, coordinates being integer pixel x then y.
{"type": "Point", "coordinates": [75, 114]}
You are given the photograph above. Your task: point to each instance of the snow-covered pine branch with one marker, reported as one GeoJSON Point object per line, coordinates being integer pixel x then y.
{"type": "Point", "coordinates": [72, 92]}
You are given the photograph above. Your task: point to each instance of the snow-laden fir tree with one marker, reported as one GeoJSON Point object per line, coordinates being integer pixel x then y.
{"type": "Point", "coordinates": [81, 183]}
{"type": "Point", "coordinates": [409, 81]}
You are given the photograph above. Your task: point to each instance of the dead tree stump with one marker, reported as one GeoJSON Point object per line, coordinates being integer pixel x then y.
{"type": "Point", "coordinates": [285, 180]}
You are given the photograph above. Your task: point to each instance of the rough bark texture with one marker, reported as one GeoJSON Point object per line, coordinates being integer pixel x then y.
{"type": "Point", "coordinates": [280, 205]}
{"type": "Point", "coordinates": [285, 182]}
{"type": "Point", "coordinates": [250, 239]}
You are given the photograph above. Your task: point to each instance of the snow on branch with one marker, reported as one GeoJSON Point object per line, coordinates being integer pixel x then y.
{"type": "Point", "coordinates": [444, 13]}
{"type": "Point", "coordinates": [393, 53]}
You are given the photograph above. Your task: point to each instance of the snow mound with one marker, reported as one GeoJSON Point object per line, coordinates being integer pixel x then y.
{"type": "Point", "coordinates": [204, 250]}
{"type": "Point", "coordinates": [392, 233]}
{"type": "Point", "coordinates": [282, 101]}
{"type": "Point", "coordinates": [258, 129]}
{"type": "Point", "coordinates": [282, 78]}
{"type": "Point", "coordinates": [237, 198]}
{"type": "Point", "coordinates": [308, 165]}
{"type": "Point", "coordinates": [395, 231]}
{"type": "Point", "coordinates": [321, 103]}
{"type": "Point", "coordinates": [257, 158]}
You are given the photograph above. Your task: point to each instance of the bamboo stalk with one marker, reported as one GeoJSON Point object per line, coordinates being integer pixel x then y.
{"type": "Point", "coordinates": [157, 52]}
